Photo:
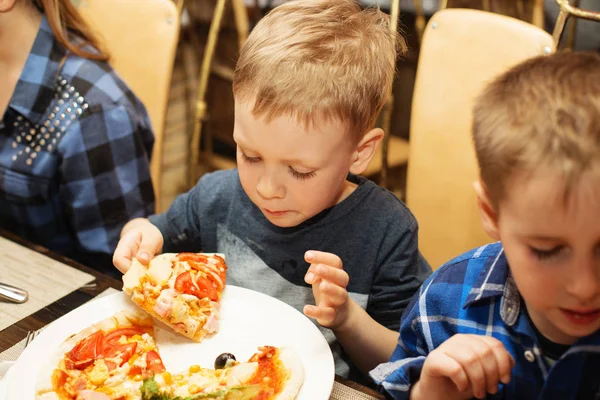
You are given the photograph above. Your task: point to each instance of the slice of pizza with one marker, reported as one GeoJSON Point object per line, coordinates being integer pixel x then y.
{"type": "Point", "coordinates": [181, 290]}
{"type": "Point", "coordinates": [270, 374]}
{"type": "Point", "coordinates": [107, 360]}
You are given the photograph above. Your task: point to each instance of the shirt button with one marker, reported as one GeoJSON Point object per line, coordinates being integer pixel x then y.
{"type": "Point", "coordinates": [529, 356]}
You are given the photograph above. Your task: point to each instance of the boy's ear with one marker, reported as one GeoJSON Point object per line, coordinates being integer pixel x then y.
{"type": "Point", "coordinates": [487, 212]}
{"type": "Point", "coordinates": [365, 150]}
{"type": "Point", "coordinates": [6, 5]}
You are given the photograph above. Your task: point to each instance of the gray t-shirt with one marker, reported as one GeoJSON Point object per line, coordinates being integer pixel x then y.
{"type": "Point", "coordinates": [372, 231]}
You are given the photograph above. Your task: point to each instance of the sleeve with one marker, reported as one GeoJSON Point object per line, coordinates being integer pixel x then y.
{"type": "Point", "coordinates": [180, 225]}
{"type": "Point", "coordinates": [403, 369]}
{"type": "Point", "coordinates": [401, 273]}
{"type": "Point", "coordinates": [105, 177]}
{"type": "Point", "coordinates": [195, 213]}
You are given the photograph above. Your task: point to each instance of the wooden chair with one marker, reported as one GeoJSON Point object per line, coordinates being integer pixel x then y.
{"type": "Point", "coordinates": [567, 10]}
{"type": "Point", "coordinates": [141, 38]}
{"type": "Point", "coordinates": [208, 160]}
{"type": "Point", "coordinates": [393, 151]}
{"type": "Point", "coordinates": [461, 51]}
{"type": "Point", "coordinates": [537, 7]}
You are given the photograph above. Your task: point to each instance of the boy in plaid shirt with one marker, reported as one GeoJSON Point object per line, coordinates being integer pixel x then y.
{"type": "Point", "coordinates": [519, 319]}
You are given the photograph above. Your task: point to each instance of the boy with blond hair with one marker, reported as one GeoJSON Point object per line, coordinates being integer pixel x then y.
{"type": "Point", "coordinates": [308, 86]}
{"type": "Point", "coordinates": [519, 319]}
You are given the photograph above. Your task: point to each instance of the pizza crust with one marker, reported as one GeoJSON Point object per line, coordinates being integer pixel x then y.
{"type": "Point", "coordinates": [293, 364]}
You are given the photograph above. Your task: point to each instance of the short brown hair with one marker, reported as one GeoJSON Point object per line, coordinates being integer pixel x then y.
{"type": "Point", "coordinates": [319, 59]}
{"type": "Point", "coordinates": [545, 112]}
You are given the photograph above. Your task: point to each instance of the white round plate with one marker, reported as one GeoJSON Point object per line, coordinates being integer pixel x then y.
{"type": "Point", "coordinates": [249, 319]}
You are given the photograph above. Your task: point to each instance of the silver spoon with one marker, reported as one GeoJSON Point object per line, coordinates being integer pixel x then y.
{"type": "Point", "coordinates": [13, 294]}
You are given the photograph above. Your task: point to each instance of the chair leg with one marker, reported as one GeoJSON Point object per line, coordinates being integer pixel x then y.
{"type": "Point", "coordinates": [241, 20]}
{"type": "Point", "coordinates": [559, 26]}
{"type": "Point", "coordinates": [209, 52]}
{"type": "Point", "coordinates": [537, 13]}
{"type": "Point", "coordinates": [389, 105]}
{"type": "Point", "coordinates": [572, 31]}
{"type": "Point", "coordinates": [419, 19]}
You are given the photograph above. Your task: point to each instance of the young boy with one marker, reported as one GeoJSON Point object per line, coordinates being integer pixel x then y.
{"type": "Point", "coordinates": [519, 319]}
{"type": "Point", "coordinates": [309, 84]}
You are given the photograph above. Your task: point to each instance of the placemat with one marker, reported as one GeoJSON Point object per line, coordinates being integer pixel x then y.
{"type": "Point", "coordinates": [45, 279]}
{"type": "Point", "coordinates": [15, 351]}
{"type": "Point", "coordinates": [343, 392]}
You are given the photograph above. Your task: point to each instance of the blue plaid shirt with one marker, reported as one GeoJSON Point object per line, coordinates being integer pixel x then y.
{"type": "Point", "coordinates": [475, 294]}
{"type": "Point", "coordinates": [75, 145]}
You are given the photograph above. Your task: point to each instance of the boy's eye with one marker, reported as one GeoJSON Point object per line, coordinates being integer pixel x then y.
{"type": "Point", "coordinates": [544, 254]}
{"type": "Point", "coordinates": [301, 175]}
{"type": "Point", "coordinates": [250, 160]}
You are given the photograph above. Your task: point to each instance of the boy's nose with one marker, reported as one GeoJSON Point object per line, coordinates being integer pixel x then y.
{"type": "Point", "coordinates": [584, 283]}
{"type": "Point", "coordinates": [268, 188]}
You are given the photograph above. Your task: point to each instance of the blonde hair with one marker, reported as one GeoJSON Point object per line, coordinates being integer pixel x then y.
{"type": "Point", "coordinates": [65, 21]}
{"type": "Point", "coordinates": [543, 113]}
{"type": "Point", "coordinates": [319, 60]}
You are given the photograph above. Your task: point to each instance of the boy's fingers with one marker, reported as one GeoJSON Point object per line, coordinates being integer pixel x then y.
{"type": "Point", "coordinates": [486, 350]}
{"type": "Point", "coordinates": [323, 315]}
{"type": "Point", "coordinates": [442, 365]}
{"type": "Point", "coordinates": [469, 359]}
{"type": "Point", "coordinates": [126, 247]}
{"type": "Point", "coordinates": [121, 261]}
{"type": "Point", "coordinates": [321, 257]}
{"type": "Point", "coordinates": [326, 272]}
{"type": "Point", "coordinates": [147, 250]}
{"type": "Point", "coordinates": [504, 361]}
{"type": "Point", "coordinates": [331, 294]}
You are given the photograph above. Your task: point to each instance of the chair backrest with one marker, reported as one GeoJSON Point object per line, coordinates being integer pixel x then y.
{"type": "Point", "coordinates": [141, 37]}
{"type": "Point", "coordinates": [462, 50]}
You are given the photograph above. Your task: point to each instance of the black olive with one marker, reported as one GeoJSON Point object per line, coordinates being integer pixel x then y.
{"type": "Point", "coordinates": [224, 360]}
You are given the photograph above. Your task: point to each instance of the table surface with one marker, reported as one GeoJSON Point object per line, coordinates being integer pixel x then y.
{"type": "Point", "coordinates": [18, 331]}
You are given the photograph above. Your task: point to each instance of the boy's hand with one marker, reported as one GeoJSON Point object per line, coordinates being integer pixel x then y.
{"type": "Point", "coordinates": [329, 282]}
{"type": "Point", "coordinates": [139, 239]}
{"type": "Point", "coordinates": [463, 367]}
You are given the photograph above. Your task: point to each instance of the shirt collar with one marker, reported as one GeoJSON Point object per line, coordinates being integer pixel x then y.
{"type": "Point", "coordinates": [35, 88]}
{"type": "Point", "coordinates": [495, 280]}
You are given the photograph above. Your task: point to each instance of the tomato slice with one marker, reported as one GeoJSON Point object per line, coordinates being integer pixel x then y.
{"type": "Point", "coordinates": [154, 363]}
{"type": "Point", "coordinates": [124, 351]}
{"type": "Point", "coordinates": [208, 287]}
{"type": "Point", "coordinates": [112, 339]}
{"type": "Point", "coordinates": [203, 288]}
{"type": "Point", "coordinates": [199, 258]}
{"type": "Point", "coordinates": [135, 370]}
{"type": "Point", "coordinates": [87, 350]}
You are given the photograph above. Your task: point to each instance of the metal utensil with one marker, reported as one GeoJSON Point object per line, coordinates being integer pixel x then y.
{"type": "Point", "coordinates": [30, 336]}
{"type": "Point", "coordinates": [13, 294]}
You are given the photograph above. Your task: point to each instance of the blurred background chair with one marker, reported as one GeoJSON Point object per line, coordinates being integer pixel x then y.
{"type": "Point", "coordinates": [205, 159]}
{"type": "Point", "coordinates": [567, 9]}
{"type": "Point", "coordinates": [141, 40]}
{"type": "Point", "coordinates": [461, 51]}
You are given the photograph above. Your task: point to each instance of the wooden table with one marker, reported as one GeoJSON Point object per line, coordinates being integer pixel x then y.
{"type": "Point", "coordinates": [18, 331]}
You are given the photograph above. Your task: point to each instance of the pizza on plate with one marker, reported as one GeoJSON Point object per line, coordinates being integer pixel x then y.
{"type": "Point", "coordinates": [117, 359]}
{"type": "Point", "coordinates": [105, 358]}
{"type": "Point", "coordinates": [181, 290]}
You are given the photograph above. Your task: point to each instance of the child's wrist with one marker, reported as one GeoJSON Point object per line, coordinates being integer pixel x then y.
{"type": "Point", "coordinates": [346, 325]}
